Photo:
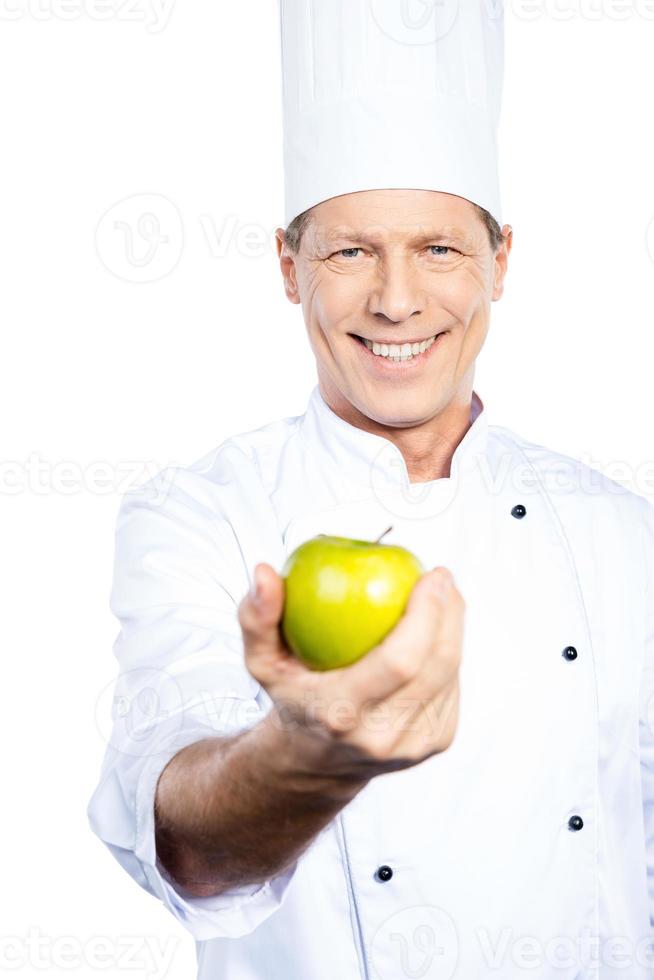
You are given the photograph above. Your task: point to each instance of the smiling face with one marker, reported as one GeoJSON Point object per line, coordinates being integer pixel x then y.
{"type": "Point", "coordinates": [378, 270]}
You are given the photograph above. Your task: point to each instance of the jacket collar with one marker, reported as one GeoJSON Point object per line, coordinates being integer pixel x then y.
{"type": "Point", "coordinates": [371, 460]}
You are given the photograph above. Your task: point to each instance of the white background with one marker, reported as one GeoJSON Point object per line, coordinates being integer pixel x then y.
{"type": "Point", "coordinates": [103, 101]}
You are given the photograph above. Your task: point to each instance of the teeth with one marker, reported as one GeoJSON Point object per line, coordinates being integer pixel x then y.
{"type": "Point", "coordinates": [399, 352]}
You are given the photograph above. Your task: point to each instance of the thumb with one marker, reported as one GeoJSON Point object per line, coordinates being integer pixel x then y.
{"type": "Point", "coordinates": [400, 655]}
{"type": "Point", "coordinates": [432, 588]}
{"type": "Point", "coordinates": [414, 636]}
{"type": "Point", "coordinates": [260, 610]}
{"type": "Point", "coordinates": [424, 611]}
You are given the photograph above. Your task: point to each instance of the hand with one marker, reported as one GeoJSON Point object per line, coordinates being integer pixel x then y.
{"type": "Point", "coordinates": [391, 709]}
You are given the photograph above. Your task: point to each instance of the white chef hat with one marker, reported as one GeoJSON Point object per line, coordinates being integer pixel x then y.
{"type": "Point", "coordinates": [391, 93]}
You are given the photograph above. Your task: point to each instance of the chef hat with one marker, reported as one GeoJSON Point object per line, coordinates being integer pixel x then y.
{"type": "Point", "coordinates": [391, 93]}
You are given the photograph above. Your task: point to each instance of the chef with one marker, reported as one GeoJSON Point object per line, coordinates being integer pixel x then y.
{"type": "Point", "coordinates": [475, 797]}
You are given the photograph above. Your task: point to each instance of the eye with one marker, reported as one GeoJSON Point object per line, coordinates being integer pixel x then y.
{"type": "Point", "coordinates": [441, 249]}
{"type": "Point", "coordinates": [347, 252]}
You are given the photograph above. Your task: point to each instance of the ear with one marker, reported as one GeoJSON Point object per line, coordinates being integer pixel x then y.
{"type": "Point", "coordinates": [501, 263]}
{"type": "Point", "coordinates": [287, 266]}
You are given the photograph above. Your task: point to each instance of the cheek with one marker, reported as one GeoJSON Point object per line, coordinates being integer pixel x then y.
{"type": "Point", "coordinates": [463, 295]}
{"type": "Point", "coordinates": [334, 303]}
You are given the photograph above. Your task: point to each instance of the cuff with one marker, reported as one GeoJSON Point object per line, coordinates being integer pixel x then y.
{"type": "Point", "coordinates": [231, 914]}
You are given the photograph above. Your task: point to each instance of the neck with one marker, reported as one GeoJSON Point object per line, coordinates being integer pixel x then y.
{"type": "Point", "coordinates": [426, 446]}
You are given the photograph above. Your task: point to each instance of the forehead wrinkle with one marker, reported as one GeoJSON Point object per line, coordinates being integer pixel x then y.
{"type": "Point", "coordinates": [399, 236]}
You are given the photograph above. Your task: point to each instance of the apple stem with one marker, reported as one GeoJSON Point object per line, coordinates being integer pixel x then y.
{"type": "Point", "coordinates": [384, 534]}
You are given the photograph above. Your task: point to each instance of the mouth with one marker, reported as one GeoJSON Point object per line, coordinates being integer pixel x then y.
{"type": "Point", "coordinates": [407, 352]}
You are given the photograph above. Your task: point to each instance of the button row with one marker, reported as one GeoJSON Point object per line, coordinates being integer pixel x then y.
{"type": "Point", "coordinates": [385, 873]}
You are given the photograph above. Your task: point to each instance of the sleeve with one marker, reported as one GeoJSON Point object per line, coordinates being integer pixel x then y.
{"type": "Point", "coordinates": [647, 707]}
{"type": "Point", "coordinates": [178, 577]}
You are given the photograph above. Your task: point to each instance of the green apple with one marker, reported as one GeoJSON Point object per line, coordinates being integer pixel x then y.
{"type": "Point", "coordinates": [342, 596]}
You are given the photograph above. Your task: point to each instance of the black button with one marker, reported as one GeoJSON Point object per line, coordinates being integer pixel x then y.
{"type": "Point", "coordinates": [384, 873]}
{"type": "Point", "coordinates": [519, 510]}
{"type": "Point", "coordinates": [570, 653]}
{"type": "Point", "coordinates": [575, 823]}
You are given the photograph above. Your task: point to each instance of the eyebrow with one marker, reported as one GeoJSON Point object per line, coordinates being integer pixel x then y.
{"type": "Point", "coordinates": [334, 235]}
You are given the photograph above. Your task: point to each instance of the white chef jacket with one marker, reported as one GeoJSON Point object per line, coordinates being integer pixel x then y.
{"type": "Point", "coordinates": [527, 847]}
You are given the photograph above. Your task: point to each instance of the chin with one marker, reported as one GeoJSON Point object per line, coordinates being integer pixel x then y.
{"type": "Point", "coordinates": [401, 409]}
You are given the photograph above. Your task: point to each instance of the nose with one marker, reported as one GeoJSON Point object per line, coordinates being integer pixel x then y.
{"type": "Point", "coordinates": [396, 294]}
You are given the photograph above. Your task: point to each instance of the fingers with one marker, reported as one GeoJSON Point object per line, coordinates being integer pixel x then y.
{"type": "Point", "coordinates": [450, 640]}
{"type": "Point", "coordinates": [399, 657]}
{"type": "Point", "coordinates": [259, 616]}
{"type": "Point", "coordinates": [266, 655]}
{"type": "Point", "coordinates": [434, 725]}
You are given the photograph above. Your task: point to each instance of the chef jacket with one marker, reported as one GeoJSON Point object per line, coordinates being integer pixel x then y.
{"type": "Point", "coordinates": [524, 849]}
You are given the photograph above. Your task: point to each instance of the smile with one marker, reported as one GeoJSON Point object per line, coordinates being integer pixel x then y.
{"type": "Point", "coordinates": [399, 353]}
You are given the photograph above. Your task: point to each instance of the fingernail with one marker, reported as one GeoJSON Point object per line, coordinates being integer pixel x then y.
{"type": "Point", "coordinates": [255, 587]}
{"type": "Point", "coordinates": [443, 584]}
